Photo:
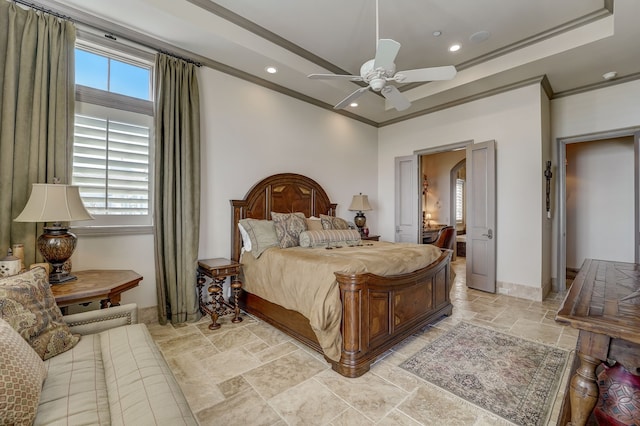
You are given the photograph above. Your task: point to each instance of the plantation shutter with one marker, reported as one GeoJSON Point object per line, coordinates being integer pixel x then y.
{"type": "Point", "coordinates": [459, 200]}
{"type": "Point", "coordinates": [111, 165]}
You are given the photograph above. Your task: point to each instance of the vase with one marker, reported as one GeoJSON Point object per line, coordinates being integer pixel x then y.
{"type": "Point", "coordinates": [9, 265]}
{"type": "Point", "coordinates": [619, 397]}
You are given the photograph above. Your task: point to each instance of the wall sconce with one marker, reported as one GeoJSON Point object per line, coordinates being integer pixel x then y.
{"type": "Point", "coordinates": [548, 175]}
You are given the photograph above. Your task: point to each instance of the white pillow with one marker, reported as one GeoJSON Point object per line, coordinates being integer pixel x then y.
{"type": "Point", "coordinates": [246, 241]}
{"type": "Point", "coordinates": [261, 235]}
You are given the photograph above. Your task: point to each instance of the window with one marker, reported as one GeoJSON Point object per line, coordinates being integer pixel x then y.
{"type": "Point", "coordinates": [113, 136]}
{"type": "Point", "coordinates": [459, 201]}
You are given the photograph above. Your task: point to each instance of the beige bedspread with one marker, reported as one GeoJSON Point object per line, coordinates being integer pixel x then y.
{"type": "Point", "coordinates": [303, 280]}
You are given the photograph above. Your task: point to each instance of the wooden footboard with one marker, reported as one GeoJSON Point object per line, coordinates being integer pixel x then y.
{"type": "Point", "coordinates": [378, 312]}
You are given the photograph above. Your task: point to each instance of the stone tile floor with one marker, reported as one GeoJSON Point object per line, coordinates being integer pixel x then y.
{"type": "Point", "coordinates": [252, 374]}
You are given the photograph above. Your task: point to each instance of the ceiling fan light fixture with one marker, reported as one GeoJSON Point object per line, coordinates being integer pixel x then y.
{"type": "Point", "coordinates": [377, 84]}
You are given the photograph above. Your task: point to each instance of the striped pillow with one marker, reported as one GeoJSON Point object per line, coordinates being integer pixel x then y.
{"type": "Point", "coordinates": [329, 237]}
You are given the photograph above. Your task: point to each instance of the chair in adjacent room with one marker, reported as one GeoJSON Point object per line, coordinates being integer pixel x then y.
{"type": "Point", "coordinates": [446, 239]}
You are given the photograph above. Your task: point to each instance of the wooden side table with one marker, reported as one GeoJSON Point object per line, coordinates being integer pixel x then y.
{"type": "Point", "coordinates": [370, 238]}
{"type": "Point", "coordinates": [603, 303]}
{"type": "Point", "coordinates": [95, 284]}
{"type": "Point", "coordinates": [218, 270]}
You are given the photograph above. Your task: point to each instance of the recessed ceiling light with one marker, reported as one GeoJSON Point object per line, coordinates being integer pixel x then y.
{"type": "Point", "coordinates": [271, 70]}
{"type": "Point", "coordinates": [454, 48]}
{"type": "Point", "coordinates": [610, 75]}
{"type": "Point", "coordinates": [353, 104]}
{"type": "Point", "coordinates": [437, 33]}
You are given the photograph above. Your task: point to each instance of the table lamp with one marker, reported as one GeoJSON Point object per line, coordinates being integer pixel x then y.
{"type": "Point", "coordinates": [360, 203]}
{"type": "Point", "coordinates": [55, 203]}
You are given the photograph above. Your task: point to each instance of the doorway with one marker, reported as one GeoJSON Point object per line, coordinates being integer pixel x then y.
{"type": "Point", "coordinates": [598, 201]}
{"type": "Point", "coordinates": [480, 202]}
{"type": "Point", "coordinates": [443, 183]}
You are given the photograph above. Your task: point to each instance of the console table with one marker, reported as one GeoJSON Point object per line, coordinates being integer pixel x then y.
{"type": "Point", "coordinates": [105, 285]}
{"type": "Point", "coordinates": [603, 303]}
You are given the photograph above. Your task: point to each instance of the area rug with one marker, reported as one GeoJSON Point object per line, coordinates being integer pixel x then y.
{"type": "Point", "coordinates": [514, 378]}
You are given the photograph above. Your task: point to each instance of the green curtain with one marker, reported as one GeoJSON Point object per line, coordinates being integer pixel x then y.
{"type": "Point", "coordinates": [36, 114]}
{"type": "Point", "coordinates": [177, 189]}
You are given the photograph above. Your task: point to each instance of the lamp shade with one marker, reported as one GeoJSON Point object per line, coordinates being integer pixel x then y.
{"type": "Point", "coordinates": [54, 203]}
{"type": "Point", "coordinates": [360, 203]}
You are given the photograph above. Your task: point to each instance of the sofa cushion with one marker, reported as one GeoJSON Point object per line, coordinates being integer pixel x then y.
{"type": "Point", "coordinates": [21, 375]}
{"type": "Point", "coordinates": [28, 305]}
{"type": "Point", "coordinates": [75, 391]}
{"type": "Point", "coordinates": [141, 388]}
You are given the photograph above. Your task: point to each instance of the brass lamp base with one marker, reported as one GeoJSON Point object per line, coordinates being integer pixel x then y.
{"type": "Point", "coordinates": [360, 220]}
{"type": "Point", "coordinates": [56, 245]}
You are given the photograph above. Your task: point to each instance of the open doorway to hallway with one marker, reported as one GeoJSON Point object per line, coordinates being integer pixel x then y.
{"type": "Point", "coordinates": [599, 201]}
{"type": "Point", "coordinates": [443, 196]}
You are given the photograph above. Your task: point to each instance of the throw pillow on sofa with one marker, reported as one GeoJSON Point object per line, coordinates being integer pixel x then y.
{"type": "Point", "coordinates": [28, 305]}
{"type": "Point", "coordinates": [22, 373]}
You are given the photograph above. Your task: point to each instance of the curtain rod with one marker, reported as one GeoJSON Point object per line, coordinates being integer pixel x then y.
{"type": "Point", "coordinates": [43, 9]}
{"type": "Point", "coordinates": [107, 35]}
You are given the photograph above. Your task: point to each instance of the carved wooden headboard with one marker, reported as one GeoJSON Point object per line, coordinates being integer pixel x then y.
{"type": "Point", "coordinates": [282, 193]}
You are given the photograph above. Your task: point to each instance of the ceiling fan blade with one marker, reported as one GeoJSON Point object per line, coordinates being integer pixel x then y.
{"type": "Point", "coordinates": [352, 97]}
{"type": "Point", "coordinates": [396, 98]}
{"type": "Point", "coordinates": [426, 74]}
{"type": "Point", "coordinates": [334, 76]}
{"type": "Point", "coordinates": [386, 53]}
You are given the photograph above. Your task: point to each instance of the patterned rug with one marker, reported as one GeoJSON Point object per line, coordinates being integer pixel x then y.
{"type": "Point", "coordinates": [513, 378]}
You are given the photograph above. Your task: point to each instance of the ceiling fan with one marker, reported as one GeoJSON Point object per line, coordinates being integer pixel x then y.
{"type": "Point", "coordinates": [379, 71]}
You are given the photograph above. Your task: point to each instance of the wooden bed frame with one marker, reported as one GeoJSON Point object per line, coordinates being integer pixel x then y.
{"type": "Point", "coordinates": [378, 312]}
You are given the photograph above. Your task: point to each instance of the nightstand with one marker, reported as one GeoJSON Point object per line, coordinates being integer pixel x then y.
{"type": "Point", "coordinates": [218, 270]}
{"type": "Point", "coordinates": [371, 237]}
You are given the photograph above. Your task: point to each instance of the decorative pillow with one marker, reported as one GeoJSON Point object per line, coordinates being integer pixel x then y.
{"type": "Point", "coordinates": [331, 222]}
{"type": "Point", "coordinates": [21, 378]}
{"type": "Point", "coordinates": [27, 304]}
{"type": "Point", "coordinates": [261, 235]}
{"type": "Point", "coordinates": [314, 223]}
{"type": "Point", "coordinates": [288, 228]}
{"type": "Point", "coordinates": [330, 237]}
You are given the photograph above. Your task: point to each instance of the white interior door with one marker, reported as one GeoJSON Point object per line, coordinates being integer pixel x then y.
{"type": "Point", "coordinates": [481, 216]}
{"type": "Point", "coordinates": [407, 198]}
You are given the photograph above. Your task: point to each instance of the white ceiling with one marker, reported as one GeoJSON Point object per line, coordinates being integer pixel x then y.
{"type": "Point", "coordinates": [570, 42]}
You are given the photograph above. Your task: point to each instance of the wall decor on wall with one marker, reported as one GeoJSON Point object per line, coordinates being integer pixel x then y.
{"type": "Point", "coordinates": [548, 175]}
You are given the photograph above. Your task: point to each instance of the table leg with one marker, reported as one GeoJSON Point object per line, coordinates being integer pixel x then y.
{"type": "Point", "coordinates": [215, 291]}
{"type": "Point", "coordinates": [583, 392]}
{"type": "Point", "coordinates": [236, 286]}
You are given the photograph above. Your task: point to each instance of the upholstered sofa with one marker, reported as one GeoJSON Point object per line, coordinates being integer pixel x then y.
{"type": "Point", "coordinates": [112, 373]}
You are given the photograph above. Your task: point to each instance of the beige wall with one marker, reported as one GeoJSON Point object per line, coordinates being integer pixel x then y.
{"type": "Point", "coordinates": [513, 120]}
